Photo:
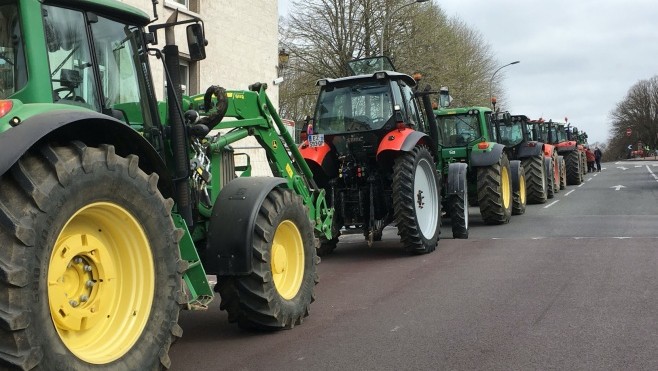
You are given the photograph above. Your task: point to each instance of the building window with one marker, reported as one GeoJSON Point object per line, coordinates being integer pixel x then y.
{"type": "Point", "coordinates": [189, 77]}
{"type": "Point", "coordinates": [184, 69]}
{"type": "Point", "coordinates": [191, 5]}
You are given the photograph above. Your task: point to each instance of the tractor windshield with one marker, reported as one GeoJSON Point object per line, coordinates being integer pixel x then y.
{"type": "Point", "coordinates": [361, 107]}
{"type": "Point", "coordinates": [511, 134]}
{"type": "Point", "coordinates": [459, 130]}
{"type": "Point", "coordinates": [13, 72]}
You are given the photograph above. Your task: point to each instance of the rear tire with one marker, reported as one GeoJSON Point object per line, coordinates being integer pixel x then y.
{"type": "Point", "coordinates": [417, 200]}
{"type": "Point", "coordinates": [494, 184]}
{"type": "Point", "coordinates": [90, 275]}
{"type": "Point", "coordinates": [535, 179]}
{"type": "Point", "coordinates": [278, 292]}
{"type": "Point", "coordinates": [574, 171]}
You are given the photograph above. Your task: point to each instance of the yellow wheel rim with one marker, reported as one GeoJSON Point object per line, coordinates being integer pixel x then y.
{"type": "Point", "coordinates": [101, 282]}
{"type": "Point", "coordinates": [505, 186]}
{"type": "Point", "coordinates": [287, 261]}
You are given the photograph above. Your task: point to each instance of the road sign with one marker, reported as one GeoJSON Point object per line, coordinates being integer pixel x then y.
{"type": "Point", "coordinates": [628, 132]}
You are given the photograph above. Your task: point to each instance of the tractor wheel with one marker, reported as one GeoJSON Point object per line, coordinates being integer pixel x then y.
{"type": "Point", "coordinates": [458, 208]}
{"type": "Point", "coordinates": [574, 171]}
{"type": "Point", "coordinates": [518, 187]}
{"type": "Point", "coordinates": [556, 172]}
{"type": "Point", "coordinates": [457, 205]}
{"type": "Point", "coordinates": [91, 272]}
{"type": "Point", "coordinates": [535, 179]}
{"type": "Point", "coordinates": [278, 292]}
{"type": "Point", "coordinates": [563, 172]}
{"type": "Point", "coordinates": [550, 177]}
{"type": "Point", "coordinates": [417, 200]}
{"type": "Point", "coordinates": [495, 191]}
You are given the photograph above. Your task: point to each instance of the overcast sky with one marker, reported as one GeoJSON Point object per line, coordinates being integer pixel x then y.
{"type": "Point", "coordinates": [578, 58]}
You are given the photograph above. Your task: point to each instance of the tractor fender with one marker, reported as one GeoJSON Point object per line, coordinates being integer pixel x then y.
{"type": "Point", "coordinates": [319, 158]}
{"type": "Point", "coordinates": [487, 157]}
{"type": "Point", "coordinates": [230, 232]}
{"type": "Point", "coordinates": [456, 183]}
{"type": "Point", "coordinates": [314, 154]}
{"type": "Point", "coordinates": [530, 149]}
{"type": "Point", "coordinates": [566, 147]}
{"type": "Point", "coordinates": [90, 127]}
{"type": "Point", "coordinates": [515, 168]}
{"type": "Point", "coordinates": [402, 140]}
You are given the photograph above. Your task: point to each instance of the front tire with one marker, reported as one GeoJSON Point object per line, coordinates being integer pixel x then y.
{"type": "Point", "coordinates": [563, 172]}
{"type": "Point", "coordinates": [90, 275]}
{"type": "Point", "coordinates": [417, 200]}
{"type": "Point", "coordinates": [550, 177]}
{"type": "Point", "coordinates": [519, 188]}
{"type": "Point", "coordinates": [278, 292]}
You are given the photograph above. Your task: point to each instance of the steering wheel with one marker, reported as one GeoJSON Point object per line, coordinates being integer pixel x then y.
{"type": "Point", "coordinates": [70, 94]}
{"type": "Point", "coordinates": [358, 123]}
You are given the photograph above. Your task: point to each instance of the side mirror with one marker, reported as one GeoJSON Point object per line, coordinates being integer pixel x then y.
{"type": "Point", "coordinates": [196, 42]}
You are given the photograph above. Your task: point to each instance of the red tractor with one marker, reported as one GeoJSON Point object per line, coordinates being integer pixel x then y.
{"type": "Point", "coordinates": [565, 140]}
{"type": "Point", "coordinates": [367, 146]}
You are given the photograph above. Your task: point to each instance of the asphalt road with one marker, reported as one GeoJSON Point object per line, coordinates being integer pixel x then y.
{"type": "Point", "coordinates": [570, 285]}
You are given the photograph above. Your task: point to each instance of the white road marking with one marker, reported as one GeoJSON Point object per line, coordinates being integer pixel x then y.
{"type": "Point", "coordinates": [621, 167]}
{"type": "Point", "coordinates": [551, 204]}
{"type": "Point", "coordinates": [652, 173]}
{"type": "Point", "coordinates": [581, 184]}
{"type": "Point", "coordinates": [618, 187]}
{"type": "Point", "coordinates": [395, 328]}
{"type": "Point", "coordinates": [638, 165]}
{"type": "Point", "coordinates": [570, 192]}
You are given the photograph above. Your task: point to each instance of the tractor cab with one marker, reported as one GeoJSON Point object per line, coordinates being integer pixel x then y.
{"type": "Point", "coordinates": [353, 114]}
{"type": "Point", "coordinates": [462, 127]}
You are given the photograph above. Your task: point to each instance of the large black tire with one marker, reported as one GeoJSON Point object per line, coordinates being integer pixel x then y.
{"type": "Point", "coordinates": [574, 168]}
{"type": "Point", "coordinates": [278, 292]}
{"type": "Point", "coordinates": [494, 185]}
{"type": "Point", "coordinates": [417, 200]}
{"type": "Point", "coordinates": [550, 177]}
{"type": "Point", "coordinates": [563, 172]}
{"type": "Point", "coordinates": [519, 198]}
{"type": "Point", "coordinates": [91, 272]}
{"type": "Point", "coordinates": [535, 179]}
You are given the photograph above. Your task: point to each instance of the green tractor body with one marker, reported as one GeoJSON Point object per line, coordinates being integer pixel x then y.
{"type": "Point", "coordinates": [467, 134]}
{"type": "Point", "coordinates": [115, 207]}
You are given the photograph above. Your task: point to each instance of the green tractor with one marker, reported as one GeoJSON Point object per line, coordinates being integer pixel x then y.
{"type": "Point", "coordinates": [114, 207]}
{"type": "Point", "coordinates": [492, 180]}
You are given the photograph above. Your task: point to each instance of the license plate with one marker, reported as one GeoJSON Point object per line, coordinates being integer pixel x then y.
{"type": "Point", "coordinates": [316, 140]}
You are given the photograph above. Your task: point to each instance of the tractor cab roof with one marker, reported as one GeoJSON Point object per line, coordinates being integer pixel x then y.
{"type": "Point", "coordinates": [111, 8]}
{"type": "Point", "coordinates": [462, 110]}
{"type": "Point", "coordinates": [379, 75]}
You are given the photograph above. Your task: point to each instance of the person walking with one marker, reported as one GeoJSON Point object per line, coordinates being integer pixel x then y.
{"type": "Point", "coordinates": [597, 158]}
{"type": "Point", "coordinates": [590, 159]}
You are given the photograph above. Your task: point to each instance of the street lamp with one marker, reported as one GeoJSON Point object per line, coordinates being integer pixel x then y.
{"type": "Point", "coordinates": [494, 74]}
{"type": "Point", "coordinates": [388, 19]}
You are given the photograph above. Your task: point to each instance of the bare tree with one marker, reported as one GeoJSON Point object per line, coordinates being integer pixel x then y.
{"type": "Point", "coordinates": [638, 112]}
{"type": "Point", "coordinates": [323, 35]}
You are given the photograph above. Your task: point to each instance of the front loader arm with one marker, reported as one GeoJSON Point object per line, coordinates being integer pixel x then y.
{"type": "Point", "coordinates": [254, 115]}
